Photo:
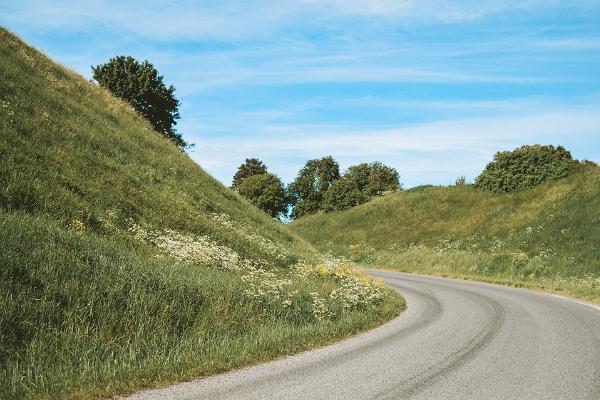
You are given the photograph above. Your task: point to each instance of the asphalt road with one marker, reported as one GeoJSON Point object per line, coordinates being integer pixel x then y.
{"type": "Point", "coordinates": [456, 340]}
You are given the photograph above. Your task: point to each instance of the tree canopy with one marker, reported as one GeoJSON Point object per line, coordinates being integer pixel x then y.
{"type": "Point", "coordinates": [140, 85]}
{"type": "Point", "coordinates": [313, 180]}
{"type": "Point", "coordinates": [250, 167]}
{"type": "Point", "coordinates": [266, 192]}
{"type": "Point", "coordinates": [524, 167]}
{"type": "Point", "coordinates": [359, 184]}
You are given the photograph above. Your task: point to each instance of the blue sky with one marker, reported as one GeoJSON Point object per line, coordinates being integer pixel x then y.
{"type": "Point", "coordinates": [433, 88]}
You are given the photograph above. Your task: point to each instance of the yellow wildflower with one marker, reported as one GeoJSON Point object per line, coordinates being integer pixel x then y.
{"type": "Point", "coordinates": [76, 226]}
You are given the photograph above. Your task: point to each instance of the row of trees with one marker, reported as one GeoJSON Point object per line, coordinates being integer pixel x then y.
{"type": "Point", "coordinates": [318, 186]}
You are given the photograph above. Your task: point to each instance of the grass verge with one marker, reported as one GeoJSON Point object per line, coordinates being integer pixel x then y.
{"type": "Point", "coordinates": [86, 316]}
{"type": "Point", "coordinates": [479, 266]}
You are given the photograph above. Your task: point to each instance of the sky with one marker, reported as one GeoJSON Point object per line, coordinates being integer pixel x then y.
{"type": "Point", "coordinates": [432, 88]}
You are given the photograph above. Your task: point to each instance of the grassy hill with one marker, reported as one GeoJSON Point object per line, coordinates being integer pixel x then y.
{"type": "Point", "coordinates": [545, 237]}
{"type": "Point", "coordinates": [124, 265]}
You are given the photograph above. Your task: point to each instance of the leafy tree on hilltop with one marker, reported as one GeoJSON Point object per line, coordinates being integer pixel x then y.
{"type": "Point", "coordinates": [313, 180]}
{"type": "Point", "coordinates": [359, 184]}
{"type": "Point", "coordinates": [266, 192]}
{"type": "Point", "coordinates": [344, 194]}
{"type": "Point", "coordinates": [250, 167]}
{"type": "Point", "coordinates": [525, 167]}
{"type": "Point", "coordinates": [140, 85]}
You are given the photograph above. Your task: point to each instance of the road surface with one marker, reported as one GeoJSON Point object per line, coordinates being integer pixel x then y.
{"type": "Point", "coordinates": [456, 340]}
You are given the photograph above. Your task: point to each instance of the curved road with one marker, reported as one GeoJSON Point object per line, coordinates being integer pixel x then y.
{"type": "Point", "coordinates": [456, 340]}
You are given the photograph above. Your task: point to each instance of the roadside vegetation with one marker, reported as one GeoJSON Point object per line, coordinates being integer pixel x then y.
{"type": "Point", "coordinates": [124, 265]}
{"type": "Point", "coordinates": [546, 236]}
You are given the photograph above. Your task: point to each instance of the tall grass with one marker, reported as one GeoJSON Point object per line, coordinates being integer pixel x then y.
{"type": "Point", "coordinates": [124, 265]}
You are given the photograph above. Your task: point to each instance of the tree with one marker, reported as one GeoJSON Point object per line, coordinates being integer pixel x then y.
{"type": "Point", "coordinates": [359, 184]}
{"type": "Point", "coordinates": [525, 167]}
{"type": "Point", "coordinates": [252, 166]}
{"type": "Point", "coordinates": [266, 192]}
{"type": "Point", "coordinates": [344, 194]}
{"type": "Point", "coordinates": [140, 85]}
{"type": "Point", "coordinates": [313, 180]}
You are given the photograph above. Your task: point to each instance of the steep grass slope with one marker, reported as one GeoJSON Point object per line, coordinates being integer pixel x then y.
{"type": "Point", "coordinates": [124, 265]}
{"type": "Point", "coordinates": [549, 234]}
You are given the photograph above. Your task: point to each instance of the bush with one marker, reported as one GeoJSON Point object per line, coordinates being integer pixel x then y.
{"type": "Point", "coordinates": [525, 167]}
{"type": "Point", "coordinates": [360, 184]}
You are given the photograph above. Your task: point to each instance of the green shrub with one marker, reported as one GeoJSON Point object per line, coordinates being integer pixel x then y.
{"type": "Point", "coordinates": [525, 167]}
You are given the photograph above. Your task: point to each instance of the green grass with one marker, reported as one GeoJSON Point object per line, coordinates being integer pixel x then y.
{"type": "Point", "coordinates": [89, 307]}
{"type": "Point", "coordinates": [547, 237]}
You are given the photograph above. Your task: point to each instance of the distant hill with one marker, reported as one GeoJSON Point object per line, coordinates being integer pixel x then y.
{"type": "Point", "coordinates": [548, 232]}
{"type": "Point", "coordinates": [122, 263]}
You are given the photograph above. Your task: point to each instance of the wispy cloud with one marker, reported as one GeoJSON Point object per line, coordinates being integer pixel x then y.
{"type": "Point", "coordinates": [160, 19]}
{"type": "Point", "coordinates": [568, 44]}
{"type": "Point", "coordinates": [473, 140]}
{"type": "Point", "coordinates": [433, 88]}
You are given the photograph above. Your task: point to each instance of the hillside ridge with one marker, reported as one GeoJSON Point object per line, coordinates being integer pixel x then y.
{"type": "Point", "coordinates": [548, 233]}
{"type": "Point", "coordinates": [124, 265]}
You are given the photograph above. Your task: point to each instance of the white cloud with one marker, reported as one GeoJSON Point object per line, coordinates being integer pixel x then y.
{"type": "Point", "coordinates": [266, 42]}
{"type": "Point", "coordinates": [568, 43]}
{"type": "Point", "coordinates": [160, 19]}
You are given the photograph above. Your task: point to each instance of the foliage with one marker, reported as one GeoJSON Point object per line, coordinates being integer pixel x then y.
{"type": "Point", "coordinates": [140, 85]}
{"type": "Point", "coordinates": [250, 167]}
{"type": "Point", "coordinates": [344, 194]}
{"type": "Point", "coordinates": [359, 184]}
{"type": "Point", "coordinates": [266, 192]}
{"type": "Point", "coordinates": [313, 180]}
{"type": "Point", "coordinates": [525, 167]}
